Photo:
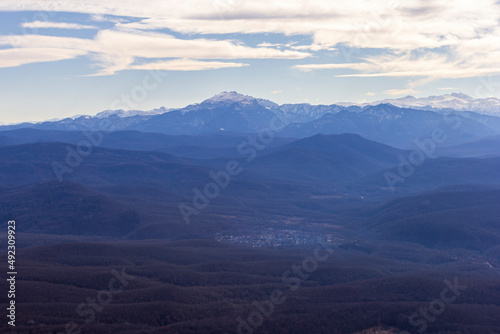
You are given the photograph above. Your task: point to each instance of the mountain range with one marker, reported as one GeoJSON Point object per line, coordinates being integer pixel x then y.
{"type": "Point", "coordinates": [454, 101]}
{"type": "Point", "coordinates": [233, 113]}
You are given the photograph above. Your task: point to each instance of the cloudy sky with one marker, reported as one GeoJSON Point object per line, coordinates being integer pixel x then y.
{"type": "Point", "coordinates": [62, 58]}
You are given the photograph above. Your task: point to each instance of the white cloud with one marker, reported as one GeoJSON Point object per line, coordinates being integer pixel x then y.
{"type": "Point", "coordinates": [457, 63]}
{"type": "Point", "coordinates": [467, 31]}
{"type": "Point", "coordinates": [187, 65]}
{"type": "Point", "coordinates": [359, 23]}
{"type": "Point", "coordinates": [17, 57]}
{"type": "Point", "coordinates": [277, 45]}
{"type": "Point", "coordinates": [102, 18]}
{"type": "Point", "coordinates": [277, 91]}
{"type": "Point", "coordinates": [110, 63]}
{"type": "Point", "coordinates": [355, 66]}
{"type": "Point", "coordinates": [55, 25]}
{"type": "Point", "coordinates": [156, 45]}
{"type": "Point", "coordinates": [115, 50]}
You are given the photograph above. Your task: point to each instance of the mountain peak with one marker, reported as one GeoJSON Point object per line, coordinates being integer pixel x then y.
{"type": "Point", "coordinates": [461, 96]}
{"type": "Point", "coordinates": [230, 96]}
{"type": "Point", "coordinates": [235, 97]}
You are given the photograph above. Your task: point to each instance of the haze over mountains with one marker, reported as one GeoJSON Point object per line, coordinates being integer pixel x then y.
{"type": "Point", "coordinates": [347, 153]}
{"type": "Point", "coordinates": [455, 101]}
{"type": "Point", "coordinates": [210, 205]}
{"type": "Point", "coordinates": [229, 112]}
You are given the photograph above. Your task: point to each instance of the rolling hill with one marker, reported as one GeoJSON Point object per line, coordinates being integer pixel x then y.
{"type": "Point", "coordinates": [333, 158]}
{"type": "Point", "coordinates": [447, 219]}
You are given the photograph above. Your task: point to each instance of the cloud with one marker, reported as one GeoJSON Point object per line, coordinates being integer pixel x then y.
{"type": "Point", "coordinates": [110, 63]}
{"type": "Point", "coordinates": [370, 94]}
{"type": "Point", "coordinates": [17, 57]}
{"type": "Point", "coordinates": [153, 45]}
{"type": "Point", "coordinates": [102, 18]}
{"type": "Point", "coordinates": [277, 91]}
{"type": "Point", "coordinates": [459, 39]}
{"type": "Point", "coordinates": [355, 66]}
{"type": "Point", "coordinates": [186, 65]}
{"type": "Point", "coordinates": [156, 45]}
{"type": "Point", "coordinates": [360, 23]}
{"type": "Point", "coordinates": [395, 92]}
{"type": "Point", "coordinates": [458, 62]}
{"type": "Point", "coordinates": [55, 25]}
{"type": "Point", "coordinates": [115, 50]}
{"type": "Point", "coordinates": [277, 45]}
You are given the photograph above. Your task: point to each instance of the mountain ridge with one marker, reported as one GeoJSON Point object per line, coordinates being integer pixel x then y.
{"type": "Point", "coordinates": [423, 103]}
{"type": "Point", "coordinates": [454, 101]}
{"type": "Point", "coordinates": [234, 113]}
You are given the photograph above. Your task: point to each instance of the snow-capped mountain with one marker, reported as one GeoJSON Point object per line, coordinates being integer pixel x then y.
{"type": "Point", "coordinates": [234, 97]}
{"type": "Point", "coordinates": [455, 101]}
{"type": "Point", "coordinates": [388, 124]}
{"type": "Point", "coordinates": [130, 113]}
{"type": "Point", "coordinates": [227, 111]}
{"type": "Point", "coordinates": [225, 99]}
{"type": "Point", "coordinates": [397, 122]}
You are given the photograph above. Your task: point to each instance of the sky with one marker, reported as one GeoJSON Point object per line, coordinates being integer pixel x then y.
{"type": "Point", "coordinates": [73, 57]}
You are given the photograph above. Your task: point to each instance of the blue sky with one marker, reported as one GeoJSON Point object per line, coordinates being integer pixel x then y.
{"type": "Point", "coordinates": [63, 58]}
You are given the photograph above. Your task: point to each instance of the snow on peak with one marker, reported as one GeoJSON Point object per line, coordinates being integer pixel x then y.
{"type": "Point", "coordinates": [230, 96]}
{"type": "Point", "coordinates": [456, 101]}
{"type": "Point", "coordinates": [130, 113]}
{"type": "Point", "coordinates": [235, 97]}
